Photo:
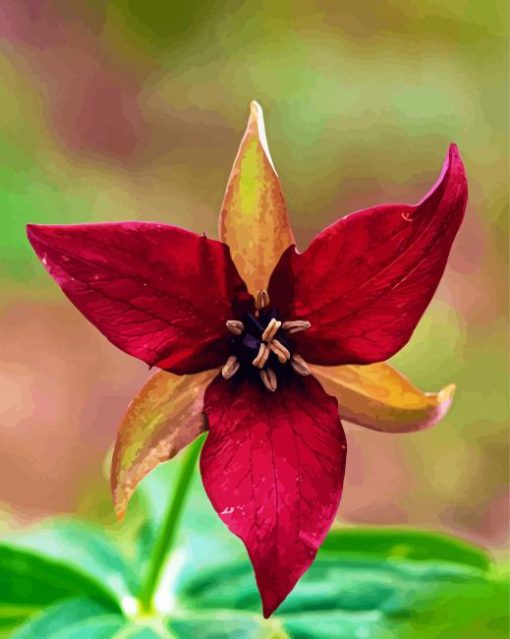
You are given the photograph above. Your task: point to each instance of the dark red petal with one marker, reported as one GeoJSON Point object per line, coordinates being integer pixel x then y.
{"type": "Point", "coordinates": [156, 291]}
{"type": "Point", "coordinates": [365, 281]}
{"type": "Point", "coordinates": [273, 467]}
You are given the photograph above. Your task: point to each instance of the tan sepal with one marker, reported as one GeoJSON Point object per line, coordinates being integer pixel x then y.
{"type": "Point", "coordinates": [253, 220]}
{"type": "Point", "coordinates": [165, 416]}
{"type": "Point", "coordinates": [380, 398]}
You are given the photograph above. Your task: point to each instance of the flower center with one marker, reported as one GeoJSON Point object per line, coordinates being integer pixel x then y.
{"type": "Point", "coordinates": [261, 346]}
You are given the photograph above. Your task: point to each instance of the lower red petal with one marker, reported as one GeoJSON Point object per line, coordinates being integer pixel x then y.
{"type": "Point", "coordinates": [273, 467]}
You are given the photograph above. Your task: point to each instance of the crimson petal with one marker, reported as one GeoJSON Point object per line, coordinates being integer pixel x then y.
{"type": "Point", "coordinates": [273, 466]}
{"type": "Point", "coordinates": [156, 291]}
{"type": "Point", "coordinates": [365, 281]}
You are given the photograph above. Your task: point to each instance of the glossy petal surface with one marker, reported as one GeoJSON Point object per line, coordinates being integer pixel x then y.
{"type": "Point", "coordinates": [254, 221]}
{"type": "Point", "coordinates": [157, 292]}
{"type": "Point", "coordinates": [165, 416]}
{"type": "Point", "coordinates": [273, 467]}
{"type": "Point", "coordinates": [365, 281]}
{"type": "Point", "coordinates": [380, 398]}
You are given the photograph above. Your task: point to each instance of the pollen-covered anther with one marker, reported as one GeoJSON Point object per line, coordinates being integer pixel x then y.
{"type": "Point", "coordinates": [271, 330]}
{"type": "Point", "coordinates": [269, 379]}
{"type": "Point", "coordinates": [300, 366]}
{"type": "Point", "coordinates": [295, 326]}
{"type": "Point", "coordinates": [230, 368]}
{"type": "Point", "coordinates": [281, 352]}
{"type": "Point", "coordinates": [235, 327]}
{"type": "Point", "coordinates": [261, 299]}
{"type": "Point", "coordinates": [262, 356]}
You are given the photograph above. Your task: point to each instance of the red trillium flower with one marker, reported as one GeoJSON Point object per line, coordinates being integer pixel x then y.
{"type": "Point", "coordinates": [249, 338]}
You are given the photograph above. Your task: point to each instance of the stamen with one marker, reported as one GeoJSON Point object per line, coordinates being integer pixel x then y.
{"type": "Point", "coordinates": [231, 367]}
{"type": "Point", "coordinates": [235, 327]}
{"type": "Point", "coordinates": [262, 356]}
{"type": "Point", "coordinates": [294, 326]}
{"type": "Point", "coordinates": [300, 366]}
{"type": "Point", "coordinates": [262, 299]}
{"type": "Point", "coordinates": [271, 330]}
{"type": "Point", "coordinates": [255, 338]}
{"type": "Point", "coordinates": [282, 353]}
{"type": "Point", "coordinates": [269, 379]}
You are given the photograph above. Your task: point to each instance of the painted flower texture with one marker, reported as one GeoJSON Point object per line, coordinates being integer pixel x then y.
{"type": "Point", "coordinates": [262, 346]}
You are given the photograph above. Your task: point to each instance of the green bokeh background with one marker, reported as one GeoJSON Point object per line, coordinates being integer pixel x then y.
{"type": "Point", "coordinates": [134, 110]}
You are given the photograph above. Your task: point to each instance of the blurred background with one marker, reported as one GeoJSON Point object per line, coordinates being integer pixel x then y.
{"type": "Point", "coordinates": [134, 110]}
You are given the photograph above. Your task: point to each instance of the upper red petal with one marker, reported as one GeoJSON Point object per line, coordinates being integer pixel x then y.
{"type": "Point", "coordinates": [365, 281]}
{"type": "Point", "coordinates": [273, 467]}
{"type": "Point", "coordinates": [156, 291]}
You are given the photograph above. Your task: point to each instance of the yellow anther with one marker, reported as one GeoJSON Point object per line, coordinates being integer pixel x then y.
{"type": "Point", "coordinates": [282, 353]}
{"type": "Point", "coordinates": [261, 299]}
{"type": "Point", "coordinates": [230, 368]}
{"type": "Point", "coordinates": [235, 327]}
{"type": "Point", "coordinates": [295, 326]}
{"type": "Point", "coordinates": [271, 330]}
{"type": "Point", "coordinates": [269, 380]}
{"type": "Point", "coordinates": [262, 356]}
{"type": "Point", "coordinates": [300, 366]}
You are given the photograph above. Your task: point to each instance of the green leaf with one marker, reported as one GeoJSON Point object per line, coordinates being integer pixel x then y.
{"type": "Point", "coordinates": [398, 598]}
{"type": "Point", "coordinates": [11, 616]}
{"type": "Point", "coordinates": [150, 630]}
{"type": "Point", "coordinates": [406, 544]}
{"type": "Point", "coordinates": [105, 627]}
{"type": "Point", "coordinates": [87, 618]}
{"type": "Point", "coordinates": [30, 581]}
{"type": "Point", "coordinates": [56, 561]}
{"type": "Point", "coordinates": [59, 616]}
{"type": "Point", "coordinates": [225, 625]}
{"type": "Point", "coordinates": [384, 584]}
{"type": "Point", "coordinates": [84, 550]}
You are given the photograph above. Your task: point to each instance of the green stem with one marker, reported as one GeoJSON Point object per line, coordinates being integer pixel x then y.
{"type": "Point", "coordinates": [170, 527]}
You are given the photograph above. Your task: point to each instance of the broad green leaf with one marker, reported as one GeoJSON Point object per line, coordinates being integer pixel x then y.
{"type": "Point", "coordinates": [140, 632]}
{"type": "Point", "coordinates": [83, 549]}
{"type": "Point", "coordinates": [254, 221]}
{"type": "Point", "coordinates": [59, 616]}
{"type": "Point", "coordinates": [402, 543]}
{"type": "Point", "coordinates": [106, 627]}
{"type": "Point", "coordinates": [100, 626]}
{"type": "Point", "coordinates": [380, 398]}
{"type": "Point", "coordinates": [373, 598]}
{"type": "Point", "coordinates": [30, 580]}
{"type": "Point", "coordinates": [165, 416]}
{"type": "Point", "coordinates": [421, 592]}
{"type": "Point", "coordinates": [87, 618]}
{"type": "Point", "coordinates": [224, 625]}
{"type": "Point", "coordinates": [11, 616]}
